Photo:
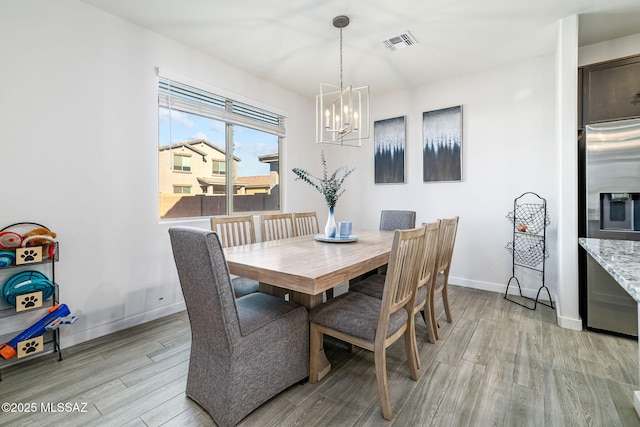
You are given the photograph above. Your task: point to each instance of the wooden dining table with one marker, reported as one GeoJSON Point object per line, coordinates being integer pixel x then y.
{"type": "Point", "coordinates": [304, 267]}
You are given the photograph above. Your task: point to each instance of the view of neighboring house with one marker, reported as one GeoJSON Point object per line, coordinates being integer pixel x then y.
{"type": "Point", "coordinates": [198, 167]}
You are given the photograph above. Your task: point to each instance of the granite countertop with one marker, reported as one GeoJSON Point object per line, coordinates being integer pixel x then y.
{"type": "Point", "coordinates": [620, 258]}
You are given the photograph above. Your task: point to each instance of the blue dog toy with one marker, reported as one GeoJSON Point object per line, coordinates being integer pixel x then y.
{"type": "Point", "coordinates": [26, 282]}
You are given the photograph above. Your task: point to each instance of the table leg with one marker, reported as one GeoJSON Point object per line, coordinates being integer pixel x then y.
{"type": "Point", "coordinates": [276, 291]}
{"type": "Point", "coordinates": [310, 301]}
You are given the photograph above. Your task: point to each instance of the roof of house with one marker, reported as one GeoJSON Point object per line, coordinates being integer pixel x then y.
{"type": "Point", "coordinates": [254, 181]}
{"type": "Point", "coordinates": [191, 145]}
{"type": "Point", "coordinates": [258, 181]}
{"type": "Point", "coordinates": [269, 158]}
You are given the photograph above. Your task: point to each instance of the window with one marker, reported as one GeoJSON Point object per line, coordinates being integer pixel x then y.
{"type": "Point", "coordinates": [181, 163]}
{"type": "Point", "coordinates": [219, 167]}
{"type": "Point", "coordinates": [181, 189]}
{"type": "Point", "coordinates": [230, 151]}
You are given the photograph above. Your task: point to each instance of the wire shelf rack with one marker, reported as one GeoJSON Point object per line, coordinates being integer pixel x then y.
{"type": "Point", "coordinates": [528, 247]}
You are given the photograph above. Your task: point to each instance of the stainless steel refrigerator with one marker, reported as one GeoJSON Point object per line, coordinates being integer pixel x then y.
{"type": "Point", "coordinates": [612, 169]}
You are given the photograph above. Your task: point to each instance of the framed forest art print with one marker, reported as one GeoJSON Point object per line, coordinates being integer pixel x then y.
{"type": "Point", "coordinates": [442, 145]}
{"type": "Point", "coordinates": [389, 148]}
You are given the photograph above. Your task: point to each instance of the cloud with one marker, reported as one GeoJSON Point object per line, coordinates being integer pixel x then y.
{"type": "Point", "coordinates": [177, 117]}
{"type": "Point", "coordinates": [218, 126]}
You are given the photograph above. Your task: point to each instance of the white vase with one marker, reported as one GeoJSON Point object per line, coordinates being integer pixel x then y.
{"type": "Point", "coordinates": [330, 228]}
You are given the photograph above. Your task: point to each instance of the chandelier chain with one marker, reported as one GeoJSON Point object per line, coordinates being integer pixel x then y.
{"type": "Point", "coordinates": [340, 59]}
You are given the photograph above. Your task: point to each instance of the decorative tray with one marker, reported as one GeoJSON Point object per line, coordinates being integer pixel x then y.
{"type": "Point", "coordinates": [337, 239]}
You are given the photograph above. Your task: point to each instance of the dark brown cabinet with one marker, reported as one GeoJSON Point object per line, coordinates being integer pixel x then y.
{"type": "Point", "coordinates": [611, 90]}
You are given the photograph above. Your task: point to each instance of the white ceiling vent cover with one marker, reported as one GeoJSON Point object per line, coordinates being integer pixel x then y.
{"type": "Point", "coordinates": [400, 41]}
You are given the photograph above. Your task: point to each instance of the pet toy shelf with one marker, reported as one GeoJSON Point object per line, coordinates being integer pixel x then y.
{"type": "Point", "coordinates": [27, 294]}
{"type": "Point", "coordinates": [528, 246]}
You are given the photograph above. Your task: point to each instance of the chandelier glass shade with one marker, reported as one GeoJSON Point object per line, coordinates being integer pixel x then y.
{"type": "Point", "coordinates": [342, 113]}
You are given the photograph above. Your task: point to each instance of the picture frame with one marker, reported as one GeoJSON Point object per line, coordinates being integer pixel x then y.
{"type": "Point", "coordinates": [442, 145]}
{"type": "Point", "coordinates": [389, 150]}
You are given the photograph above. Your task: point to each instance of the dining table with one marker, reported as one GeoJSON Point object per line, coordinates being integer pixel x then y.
{"type": "Point", "coordinates": [304, 267]}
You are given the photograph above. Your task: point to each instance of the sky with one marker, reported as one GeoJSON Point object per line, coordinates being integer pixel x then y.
{"type": "Point", "coordinates": [248, 143]}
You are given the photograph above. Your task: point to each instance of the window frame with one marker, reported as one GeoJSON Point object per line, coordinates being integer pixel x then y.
{"type": "Point", "coordinates": [217, 172]}
{"type": "Point", "coordinates": [181, 94]}
{"type": "Point", "coordinates": [182, 157]}
{"type": "Point", "coordinates": [182, 186]}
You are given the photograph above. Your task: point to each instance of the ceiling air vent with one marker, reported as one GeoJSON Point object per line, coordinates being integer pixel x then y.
{"type": "Point", "coordinates": [400, 41]}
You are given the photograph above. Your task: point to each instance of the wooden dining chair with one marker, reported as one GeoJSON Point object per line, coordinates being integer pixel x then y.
{"type": "Point", "coordinates": [425, 276]}
{"type": "Point", "coordinates": [390, 220]}
{"type": "Point", "coordinates": [277, 226]}
{"type": "Point", "coordinates": [306, 223]}
{"type": "Point", "coordinates": [440, 278]}
{"type": "Point", "coordinates": [372, 323]}
{"type": "Point", "coordinates": [374, 285]}
{"type": "Point", "coordinates": [235, 231]}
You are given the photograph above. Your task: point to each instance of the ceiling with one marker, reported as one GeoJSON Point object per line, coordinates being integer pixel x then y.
{"type": "Point", "coordinates": [294, 44]}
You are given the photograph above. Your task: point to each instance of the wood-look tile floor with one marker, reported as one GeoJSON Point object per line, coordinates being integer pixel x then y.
{"type": "Point", "coordinates": [496, 364]}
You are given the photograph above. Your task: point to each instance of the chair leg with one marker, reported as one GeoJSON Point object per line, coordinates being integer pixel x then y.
{"type": "Point", "coordinates": [411, 348]}
{"type": "Point", "coordinates": [445, 300]}
{"type": "Point", "coordinates": [434, 320]}
{"type": "Point", "coordinates": [416, 354]}
{"type": "Point", "coordinates": [426, 316]}
{"type": "Point", "coordinates": [380, 357]}
{"type": "Point", "coordinates": [315, 344]}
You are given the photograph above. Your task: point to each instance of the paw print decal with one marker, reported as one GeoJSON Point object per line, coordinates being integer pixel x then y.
{"type": "Point", "coordinates": [30, 347]}
{"type": "Point", "coordinates": [29, 301]}
{"type": "Point", "coordinates": [29, 255]}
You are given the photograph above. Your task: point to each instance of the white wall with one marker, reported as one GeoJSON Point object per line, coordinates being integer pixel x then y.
{"type": "Point", "coordinates": [508, 149]}
{"type": "Point", "coordinates": [78, 128]}
{"type": "Point", "coordinates": [567, 164]}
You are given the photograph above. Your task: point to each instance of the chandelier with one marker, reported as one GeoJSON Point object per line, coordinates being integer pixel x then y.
{"type": "Point", "coordinates": [342, 113]}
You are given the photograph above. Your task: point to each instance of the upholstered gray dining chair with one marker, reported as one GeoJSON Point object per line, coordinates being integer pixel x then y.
{"type": "Point", "coordinates": [243, 351]}
{"type": "Point", "coordinates": [397, 220]}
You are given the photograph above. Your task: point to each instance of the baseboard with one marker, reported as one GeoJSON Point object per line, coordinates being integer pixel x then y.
{"type": "Point", "coordinates": [499, 288]}
{"type": "Point", "coordinates": [102, 330]}
{"type": "Point", "coordinates": [568, 323]}
{"type": "Point", "coordinates": [563, 322]}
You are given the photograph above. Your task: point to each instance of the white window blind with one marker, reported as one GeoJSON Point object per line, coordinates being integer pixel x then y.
{"type": "Point", "coordinates": [182, 97]}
